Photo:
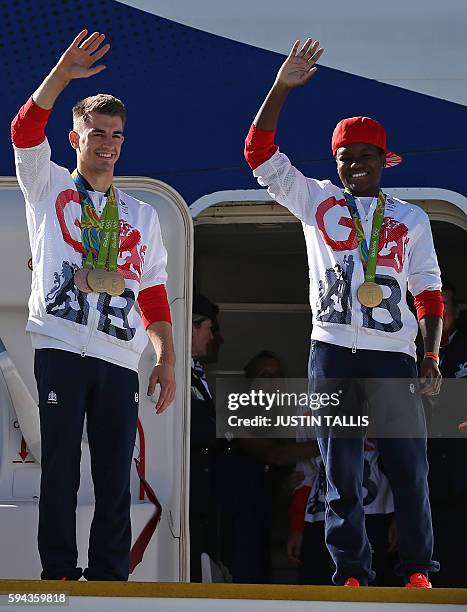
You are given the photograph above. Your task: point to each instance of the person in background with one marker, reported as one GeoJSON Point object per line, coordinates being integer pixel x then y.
{"type": "Point", "coordinates": [248, 482]}
{"type": "Point", "coordinates": [306, 545]}
{"type": "Point", "coordinates": [447, 455]}
{"type": "Point", "coordinates": [244, 490]}
{"type": "Point", "coordinates": [205, 448]}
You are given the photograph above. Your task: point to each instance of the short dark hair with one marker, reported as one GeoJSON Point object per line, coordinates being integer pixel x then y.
{"type": "Point", "coordinates": [202, 306]}
{"type": "Point", "coordinates": [100, 103]}
{"type": "Point", "coordinates": [251, 368]}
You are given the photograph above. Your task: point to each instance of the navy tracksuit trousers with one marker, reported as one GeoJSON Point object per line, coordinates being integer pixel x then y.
{"type": "Point", "coordinates": [404, 460]}
{"type": "Point", "coordinates": [71, 387]}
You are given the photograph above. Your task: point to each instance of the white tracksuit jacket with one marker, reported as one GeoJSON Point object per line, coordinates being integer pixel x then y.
{"type": "Point", "coordinates": [97, 325]}
{"type": "Point", "coordinates": [406, 259]}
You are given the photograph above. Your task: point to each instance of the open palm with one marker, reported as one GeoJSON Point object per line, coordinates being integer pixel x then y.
{"type": "Point", "coordinates": [299, 66]}
{"type": "Point", "coordinates": [78, 59]}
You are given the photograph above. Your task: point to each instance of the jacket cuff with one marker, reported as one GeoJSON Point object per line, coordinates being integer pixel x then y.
{"type": "Point", "coordinates": [259, 146]}
{"type": "Point", "coordinates": [154, 305]}
{"type": "Point", "coordinates": [28, 127]}
{"type": "Point", "coordinates": [429, 303]}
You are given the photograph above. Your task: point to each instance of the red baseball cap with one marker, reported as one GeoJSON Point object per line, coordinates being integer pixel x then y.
{"type": "Point", "coordinates": [363, 129]}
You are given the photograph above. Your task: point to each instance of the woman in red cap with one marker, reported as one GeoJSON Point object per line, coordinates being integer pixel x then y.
{"type": "Point", "coordinates": [365, 249]}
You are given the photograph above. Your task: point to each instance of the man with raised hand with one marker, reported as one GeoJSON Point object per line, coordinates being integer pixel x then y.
{"type": "Point", "coordinates": [95, 251]}
{"type": "Point", "coordinates": [364, 250]}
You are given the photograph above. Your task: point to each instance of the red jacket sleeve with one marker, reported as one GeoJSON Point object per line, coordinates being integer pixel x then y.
{"type": "Point", "coordinates": [154, 305]}
{"type": "Point", "coordinates": [429, 303]}
{"type": "Point", "coordinates": [28, 127]}
{"type": "Point", "coordinates": [259, 146]}
{"type": "Point", "coordinates": [297, 509]}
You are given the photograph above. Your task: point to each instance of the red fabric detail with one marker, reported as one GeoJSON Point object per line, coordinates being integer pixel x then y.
{"type": "Point", "coordinates": [28, 127]}
{"type": "Point", "coordinates": [297, 509]}
{"type": "Point", "coordinates": [363, 129]}
{"type": "Point", "coordinates": [141, 458]}
{"type": "Point", "coordinates": [393, 240]}
{"type": "Point", "coordinates": [351, 582]}
{"type": "Point", "coordinates": [142, 541]}
{"type": "Point", "coordinates": [418, 581]}
{"type": "Point", "coordinates": [259, 146]}
{"type": "Point", "coordinates": [154, 305]}
{"type": "Point", "coordinates": [358, 129]}
{"type": "Point", "coordinates": [65, 198]}
{"type": "Point", "coordinates": [429, 303]}
{"type": "Point", "coordinates": [350, 242]}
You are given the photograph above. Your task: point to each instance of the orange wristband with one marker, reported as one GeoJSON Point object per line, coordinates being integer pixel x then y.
{"type": "Point", "coordinates": [430, 355]}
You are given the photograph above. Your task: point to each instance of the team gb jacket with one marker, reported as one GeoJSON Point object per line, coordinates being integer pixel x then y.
{"type": "Point", "coordinates": [98, 325]}
{"type": "Point", "coordinates": [406, 259]}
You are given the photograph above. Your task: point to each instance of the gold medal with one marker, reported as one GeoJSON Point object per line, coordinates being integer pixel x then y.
{"type": "Point", "coordinates": [114, 283]}
{"type": "Point", "coordinates": [104, 278]}
{"type": "Point", "coordinates": [96, 280]}
{"type": "Point", "coordinates": [370, 294]}
{"type": "Point", "coordinates": [103, 281]}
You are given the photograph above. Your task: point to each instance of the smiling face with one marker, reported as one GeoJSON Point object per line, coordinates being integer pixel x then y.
{"type": "Point", "coordinates": [360, 166]}
{"type": "Point", "coordinates": [98, 142]}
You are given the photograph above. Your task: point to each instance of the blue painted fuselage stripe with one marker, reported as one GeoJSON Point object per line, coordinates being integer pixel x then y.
{"type": "Point", "coordinates": [191, 97]}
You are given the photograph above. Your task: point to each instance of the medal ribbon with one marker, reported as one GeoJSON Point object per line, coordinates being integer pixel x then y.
{"type": "Point", "coordinates": [108, 248]}
{"type": "Point", "coordinates": [99, 236]}
{"type": "Point", "coordinates": [367, 255]}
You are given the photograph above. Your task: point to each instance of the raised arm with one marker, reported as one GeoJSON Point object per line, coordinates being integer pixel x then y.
{"type": "Point", "coordinates": [75, 63]}
{"type": "Point", "coordinates": [28, 127]}
{"type": "Point", "coordinates": [298, 69]}
{"type": "Point", "coordinates": [285, 183]}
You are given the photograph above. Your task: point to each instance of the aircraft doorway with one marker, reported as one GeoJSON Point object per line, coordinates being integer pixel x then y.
{"type": "Point", "coordinates": [250, 259]}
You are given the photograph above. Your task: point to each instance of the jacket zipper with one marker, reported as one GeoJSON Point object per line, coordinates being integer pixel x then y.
{"type": "Point", "coordinates": [360, 280]}
{"type": "Point", "coordinates": [354, 314]}
{"type": "Point", "coordinates": [91, 324]}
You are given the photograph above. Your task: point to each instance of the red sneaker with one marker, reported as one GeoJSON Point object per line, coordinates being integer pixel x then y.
{"type": "Point", "coordinates": [351, 582]}
{"type": "Point", "coordinates": [418, 581]}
